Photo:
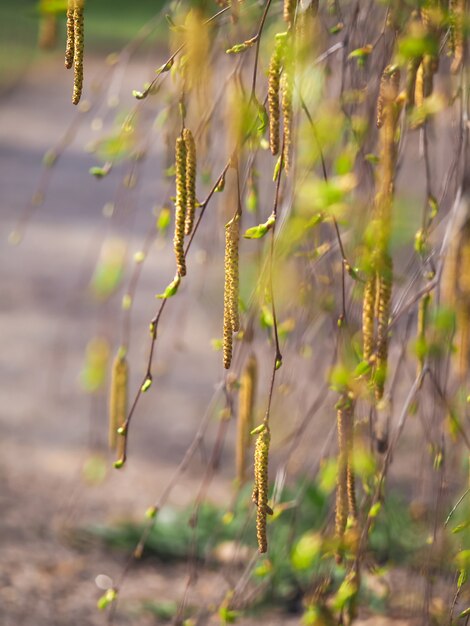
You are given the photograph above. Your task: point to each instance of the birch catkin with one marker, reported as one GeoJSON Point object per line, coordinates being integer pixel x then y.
{"type": "Point", "coordinates": [273, 95]}
{"type": "Point", "coordinates": [231, 317]}
{"type": "Point", "coordinates": [260, 487]}
{"type": "Point", "coordinates": [70, 42]}
{"type": "Point", "coordinates": [289, 11]}
{"type": "Point", "coordinates": [180, 206]}
{"type": "Point", "coordinates": [345, 482]}
{"type": "Point", "coordinates": [287, 112]}
{"type": "Point", "coordinates": [384, 294]}
{"type": "Point", "coordinates": [190, 180]}
{"type": "Point", "coordinates": [78, 32]}
{"type": "Point", "coordinates": [368, 310]}
{"type": "Point", "coordinates": [341, 511]}
{"type": "Point", "coordinates": [246, 401]}
{"type": "Point", "coordinates": [457, 14]}
{"type": "Point", "coordinates": [118, 397]}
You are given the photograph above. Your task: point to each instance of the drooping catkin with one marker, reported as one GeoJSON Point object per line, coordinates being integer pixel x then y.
{"type": "Point", "coordinates": [289, 11]}
{"type": "Point", "coordinates": [190, 180]}
{"type": "Point", "coordinates": [457, 15]}
{"type": "Point", "coordinates": [388, 91]}
{"type": "Point", "coordinates": [341, 511]}
{"type": "Point", "coordinates": [260, 487]}
{"type": "Point", "coordinates": [287, 88]}
{"type": "Point", "coordinates": [419, 86]}
{"type": "Point", "coordinates": [118, 397]}
{"type": "Point", "coordinates": [79, 42]}
{"type": "Point", "coordinates": [368, 310]}
{"type": "Point", "coordinates": [231, 316]}
{"type": "Point", "coordinates": [70, 42]}
{"type": "Point", "coordinates": [462, 300]}
{"type": "Point", "coordinates": [384, 286]}
{"type": "Point", "coordinates": [273, 95]}
{"type": "Point", "coordinates": [246, 401]}
{"type": "Point", "coordinates": [180, 205]}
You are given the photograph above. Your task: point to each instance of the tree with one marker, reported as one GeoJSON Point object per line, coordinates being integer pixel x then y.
{"type": "Point", "coordinates": [342, 273]}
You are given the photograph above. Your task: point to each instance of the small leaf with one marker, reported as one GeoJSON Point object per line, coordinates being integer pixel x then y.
{"type": "Point", "coordinates": [147, 384]}
{"type": "Point", "coordinates": [375, 509]}
{"type": "Point", "coordinates": [119, 463]}
{"type": "Point", "coordinates": [106, 599]}
{"type": "Point", "coordinates": [151, 512]}
{"type": "Point", "coordinates": [257, 232]}
{"type": "Point", "coordinates": [171, 289]}
{"type": "Point", "coordinates": [241, 47]}
{"type": "Point", "coordinates": [166, 67]}
{"type": "Point", "coordinates": [462, 578]}
{"type": "Point", "coordinates": [164, 219]}
{"type": "Point", "coordinates": [362, 368]}
{"type": "Point", "coordinates": [460, 527]}
{"type": "Point", "coordinates": [259, 429]}
{"type": "Point", "coordinates": [220, 184]}
{"type": "Point", "coordinates": [361, 53]}
{"type": "Point", "coordinates": [100, 172]}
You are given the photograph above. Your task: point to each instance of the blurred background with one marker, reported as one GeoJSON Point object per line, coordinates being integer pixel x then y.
{"type": "Point", "coordinates": [89, 248]}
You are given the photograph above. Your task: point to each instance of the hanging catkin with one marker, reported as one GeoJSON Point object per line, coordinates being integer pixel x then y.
{"type": "Point", "coordinates": [368, 310]}
{"type": "Point", "coordinates": [456, 292]}
{"type": "Point", "coordinates": [118, 397]}
{"type": "Point", "coordinates": [289, 11]}
{"type": "Point", "coordinates": [231, 317]}
{"type": "Point", "coordinates": [180, 205]}
{"type": "Point", "coordinates": [273, 95]}
{"type": "Point", "coordinates": [341, 511]}
{"type": "Point", "coordinates": [287, 85]}
{"type": "Point", "coordinates": [190, 180]}
{"type": "Point", "coordinates": [260, 486]}
{"type": "Point", "coordinates": [70, 42]}
{"type": "Point", "coordinates": [78, 33]}
{"type": "Point", "coordinates": [246, 401]}
{"type": "Point", "coordinates": [384, 287]}
{"type": "Point", "coordinates": [457, 14]}
{"type": "Point", "coordinates": [377, 294]}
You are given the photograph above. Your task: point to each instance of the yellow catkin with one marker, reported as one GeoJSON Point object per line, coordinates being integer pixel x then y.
{"type": "Point", "coordinates": [419, 86]}
{"type": "Point", "coordinates": [289, 11]}
{"type": "Point", "coordinates": [260, 488]}
{"type": "Point", "coordinates": [231, 316]}
{"type": "Point", "coordinates": [190, 180]}
{"type": "Point", "coordinates": [246, 402]}
{"type": "Point", "coordinates": [180, 205]}
{"type": "Point", "coordinates": [368, 317]}
{"type": "Point", "coordinates": [341, 511]}
{"type": "Point", "coordinates": [384, 287]}
{"type": "Point", "coordinates": [273, 96]}
{"type": "Point", "coordinates": [79, 42]}
{"type": "Point", "coordinates": [70, 45]}
{"type": "Point", "coordinates": [118, 398]}
{"type": "Point", "coordinates": [287, 112]}
{"type": "Point", "coordinates": [462, 300]}
{"type": "Point", "coordinates": [457, 14]}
